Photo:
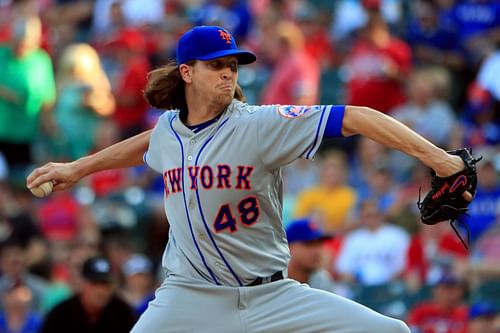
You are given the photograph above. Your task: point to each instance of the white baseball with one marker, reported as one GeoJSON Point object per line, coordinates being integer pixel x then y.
{"type": "Point", "coordinates": [42, 190]}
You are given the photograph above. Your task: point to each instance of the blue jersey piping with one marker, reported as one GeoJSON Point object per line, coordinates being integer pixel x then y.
{"type": "Point", "coordinates": [186, 207]}
{"type": "Point", "coordinates": [201, 210]}
{"type": "Point", "coordinates": [317, 132]}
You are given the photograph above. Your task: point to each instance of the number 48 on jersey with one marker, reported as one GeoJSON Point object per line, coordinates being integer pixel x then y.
{"type": "Point", "coordinates": [247, 211]}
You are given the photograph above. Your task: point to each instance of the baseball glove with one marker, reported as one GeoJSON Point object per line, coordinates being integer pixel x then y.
{"type": "Point", "coordinates": [445, 200]}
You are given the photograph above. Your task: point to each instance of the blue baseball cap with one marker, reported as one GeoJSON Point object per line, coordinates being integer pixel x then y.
{"type": "Point", "coordinates": [482, 309]}
{"type": "Point", "coordinates": [305, 230]}
{"type": "Point", "coordinates": [210, 42]}
{"type": "Point", "coordinates": [449, 279]}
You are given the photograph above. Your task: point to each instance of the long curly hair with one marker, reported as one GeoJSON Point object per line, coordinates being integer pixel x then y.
{"type": "Point", "coordinates": [166, 88]}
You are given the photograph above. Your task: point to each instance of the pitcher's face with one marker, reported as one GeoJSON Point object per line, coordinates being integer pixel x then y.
{"type": "Point", "coordinates": [215, 80]}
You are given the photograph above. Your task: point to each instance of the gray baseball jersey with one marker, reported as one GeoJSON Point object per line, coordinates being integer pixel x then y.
{"type": "Point", "coordinates": [223, 192]}
{"type": "Point", "coordinates": [223, 188]}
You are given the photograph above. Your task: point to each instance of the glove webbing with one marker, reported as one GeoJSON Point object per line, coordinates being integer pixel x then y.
{"type": "Point", "coordinates": [455, 229]}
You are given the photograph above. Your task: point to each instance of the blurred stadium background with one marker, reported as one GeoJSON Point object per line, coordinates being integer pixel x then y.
{"type": "Point", "coordinates": [71, 78]}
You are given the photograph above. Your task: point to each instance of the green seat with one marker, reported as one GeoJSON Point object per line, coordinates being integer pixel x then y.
{"type": "Point", "coordinates": [331, 88]}
{"type": "Point", "coordinates": [487, 291]}
{"type": "Point", "coordinates": [388, 299]}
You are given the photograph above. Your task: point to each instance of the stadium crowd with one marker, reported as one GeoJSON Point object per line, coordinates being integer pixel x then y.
{"type": "Point", "coordinates": [71, 79]}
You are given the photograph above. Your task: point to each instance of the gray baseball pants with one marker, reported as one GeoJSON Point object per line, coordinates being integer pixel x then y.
{"type": "Point", "coordinates": [285, 306]}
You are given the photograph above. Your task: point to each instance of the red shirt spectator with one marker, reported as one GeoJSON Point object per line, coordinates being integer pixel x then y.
{"type": "Point", "coordinates": [131, 83]}
{"type": "Point", "coordinates": [445, 313]}
{"type": "Point", "coordinates": [429, 249]}
{"type": "Point", "coordinates": [419, 258]}
{"type": "Point", "coordinates": [293, 79]}
{"type": "Point", "coordinates": [107, 182]}
{"type": "Point", "coordinates": [376, 65]}
{"type": "Point", "coordinates": [431, 319]}
{"type": "Point", "coordinates": [59, 217]}
{"type": "Point", "coordinates": [296, 75]}
{"type": "Point", "coordinates": [128, 49]}
{"type": "Point", "coordinates": [314, 26]}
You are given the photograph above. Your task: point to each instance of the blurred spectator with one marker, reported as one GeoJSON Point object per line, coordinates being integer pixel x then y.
{"type": "Point", "coordinates": [478, 26]}
{"type": "Point", "coordinates": [68, 271]}
{"type": "Point", "coordinates": [68, 21]}
{"type": "Point", "coordinates": [413, 182]}
{"type": "Point", "coordinates": [15, 215]}
{"type": "Point", "coordinates": [367, 153]}
{"type": "Point", "coordinates": [376, 66]}
{"type": "Point", "coordinates": [63, 220]}
{"type": "Point", "coordinates": [375, 254]}
{"type": "Point", "coordinates": [481, 317]}
{"type": "Point", "coordinates": [295, 75]}
{"type": "Point", "coordinates": [307, 263]}
{"type": "Point", "coordinates": [332, 189]}
{"type": "Point", "coordinates": [116, 23]}
{"type": "Point", "coordinates": [425, 112]}
{"type": "Point", "coordinates": [454, 36]}
{"type": "Point", "coordinates": [445, 312]}
{"type": "Point", "coordinates": [118, 246]}
{"type": "Point", "coordinates": [18, 316]}
{"type": "Point", "coordinates": [350, 15]}
{"type": "Point", "coordinates": [166, 41]}
{"type": "Point", "coordinates": [297, 177]}
{"type": "Point", "coordinates": [487, 75]}
{"type": "Point", "coordinates": [284, 9]}
{"type": "Point", "coordinates": [480, 123]}
{"type": "Point", "coordinates": [433, 250]}
{"type": "Point", "coordinates": [27, 91]}
{"type": "Point", "coordinates": [134, 12]}
{"type": "Point", "coordinates": [381, 186]}
{"type": "Point", "coordinates": [484, 210]}
{"type": "Point", "coordinates": [484, 264]}
{"type": "Point", "coordinates": [95, 308]}
{"type": "Point", "coordinates": [128, 79]}
{"type": "Point", "coordinates": [436, 44]}
{"type": "Point", "coordinates": [433, 43]}
{"type": "Point", "coordinates": [13, 264]}
{"type": "Point", "coordinates": [233, 15]}
{"type": "Point", "coordinates": [311, 255]}
{"type": "Point", "coordinates": [106, 183]}
{"type": "Point", "coordinates": [57, 291]}
{"type": "Point", "coordinates": [139, 285]}
{"type": "Point", "coordinates": [317, 41]}
{"type": "Point", "coordinates": [84, 96]}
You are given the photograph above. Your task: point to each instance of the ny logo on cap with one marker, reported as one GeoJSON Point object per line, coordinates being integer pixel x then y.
{"type": "Point", "coordinates": [225, 35]}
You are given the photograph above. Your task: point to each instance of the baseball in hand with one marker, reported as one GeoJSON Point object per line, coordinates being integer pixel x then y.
{"type": "Point", "coordinates": [42, 190]}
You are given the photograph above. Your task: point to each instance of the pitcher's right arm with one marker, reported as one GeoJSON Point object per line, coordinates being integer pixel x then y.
{"type": "Point", "coordinates": [123, 154]}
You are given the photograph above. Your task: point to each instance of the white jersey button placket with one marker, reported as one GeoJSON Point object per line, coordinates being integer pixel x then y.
{"type": "Point", "coordinates": [189, 157]}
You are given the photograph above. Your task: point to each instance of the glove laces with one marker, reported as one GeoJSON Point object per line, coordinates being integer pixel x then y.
{"type": "Point", "coordinates": [464, 225]}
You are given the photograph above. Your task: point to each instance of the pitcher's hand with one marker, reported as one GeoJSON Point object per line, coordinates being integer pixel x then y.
{"type": "Point", "coordinates": [62, 175]}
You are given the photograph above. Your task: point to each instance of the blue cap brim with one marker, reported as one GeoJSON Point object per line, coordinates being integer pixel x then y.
{"type": "Point", "coordinates": [244, 57]}
{"type": "Point", "coordinates": [311, 238]}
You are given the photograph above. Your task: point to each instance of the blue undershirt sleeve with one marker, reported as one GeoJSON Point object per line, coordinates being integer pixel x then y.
{"type": "Point", "coordinates": [333, 127]}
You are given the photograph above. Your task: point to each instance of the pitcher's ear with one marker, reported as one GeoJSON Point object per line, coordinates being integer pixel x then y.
{"type": "Point", "coordinates": [186, 72]}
